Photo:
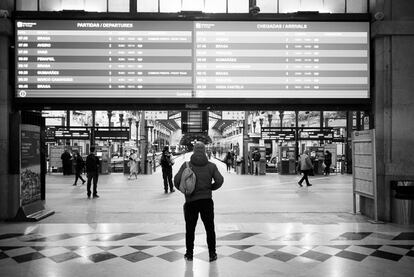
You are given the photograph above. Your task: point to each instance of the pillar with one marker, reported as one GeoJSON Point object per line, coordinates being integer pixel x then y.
{"type": "Point", "coordinates": [130, 125]}
{"type": "Point", "coordinates": [348, 142]}
{"type": "Point", "coordinates": [246, 141]}
{"type": "Point", "coordinates": [297, 134]}
{"type": "Point", "coordinates": [93, 128]}
{"type": "Point", "coordinates": [281, 115]}
{"type": "Point", "coordinates": [137, 130]}
{"type": "Point", "coordinates": [392, 40]}
{"type": "Point", "coordinates": [109, 114]}
{"type": "Point", "coordinates": [9, 177]}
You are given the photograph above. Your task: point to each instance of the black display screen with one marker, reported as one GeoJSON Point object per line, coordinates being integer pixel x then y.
{"type": "Point", "coordinates": [191, 59]}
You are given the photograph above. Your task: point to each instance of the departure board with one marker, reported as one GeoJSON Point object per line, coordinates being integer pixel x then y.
{"type": "Point", "coordinates": [191, 59]}
{"type": "Point", "coordinates": [282, 59]}
{"type": "Point", "coordinates": [72, 59]}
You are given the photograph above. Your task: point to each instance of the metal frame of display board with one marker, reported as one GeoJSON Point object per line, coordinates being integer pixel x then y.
{"type": "Point", "coordinates": [364, 179]}
{"type": "Point", "coordinates": [114, 102]}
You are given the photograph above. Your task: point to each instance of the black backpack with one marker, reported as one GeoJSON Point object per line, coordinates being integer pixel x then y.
{"type": "Point", "coordinates": [256, 156]}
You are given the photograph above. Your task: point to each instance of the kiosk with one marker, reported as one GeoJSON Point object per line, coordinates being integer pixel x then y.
{"type": "Point", "coordinates": [317, 156]}
{"type": "Point", "coordinates": [287, 161]}
{"type": "Point", "coordinates": [102, 152]}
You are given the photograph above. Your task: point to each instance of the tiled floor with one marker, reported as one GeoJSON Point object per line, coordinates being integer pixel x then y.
{"type": "Point", "coordinates": [313, 252]}
{"type": "Point", "coordinates": [265, 226]}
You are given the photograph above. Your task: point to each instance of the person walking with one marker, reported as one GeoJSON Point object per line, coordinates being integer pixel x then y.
{"type": "Point", "coordinates": [133, 164]}
{"type": "Point", "coordinates": [80, 164]}
{"type": "Point", "coordinates": [229, 161]}
{"type": "Point", "coordinates": [305, 166]}
{"type": "Point", "coordinates": [66, 158]}
{"type": "Point", "coordinates": [166, 165]}
{"type": "Point", "coordinates": [92, 171]}
{"type": "Point", "coordinates": [328, 162]}
{"type": "Point", "coordinates": [208, 178]}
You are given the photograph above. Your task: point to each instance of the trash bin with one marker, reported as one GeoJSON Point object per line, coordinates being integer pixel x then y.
{"type": "Point", "coordinates": [402, 202]}
{"type": "Point", "coordinates": [239, 167]}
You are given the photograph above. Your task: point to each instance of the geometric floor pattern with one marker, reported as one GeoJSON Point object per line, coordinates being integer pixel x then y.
{"type": "Point", "coordinates": [17, 248]}
{"type": "Point", "coordinates": [172, 253]}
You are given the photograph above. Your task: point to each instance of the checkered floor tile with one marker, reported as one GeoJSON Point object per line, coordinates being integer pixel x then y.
{"type": "Point", "coordinates": [244, 253]}
{"type": "Point", "coordinates": [136, 247]}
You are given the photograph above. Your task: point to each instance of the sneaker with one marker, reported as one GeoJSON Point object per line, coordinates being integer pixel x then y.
{"type": "Point", "coordinates": [89, 196]}
{"type": "Point", "coordinates": [309, 185]}
{"type": "Point", "coordinates": [95, 196]}
{"type": "Point", "coordinates": [188, 257]}
{"type": "Point", "coordinates": [165, 191]}
{"type": "Point", "coordinates": [74, 185]}
{"type": "Point", "coordinates": [172, 190]}
{"type": "Point", "coordinates": [300, 185]}
{"type": "Point", "coordinates": [213, 257]}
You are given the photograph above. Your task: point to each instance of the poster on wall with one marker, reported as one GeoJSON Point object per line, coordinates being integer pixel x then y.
{"type": "Point", "coordinates": [30, 183]}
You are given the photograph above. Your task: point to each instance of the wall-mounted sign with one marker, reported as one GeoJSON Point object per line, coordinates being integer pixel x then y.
{"type": "Point", "coordinates": [316, 135]}
{"type": "Point", "coordinates": [191, 59]}
{"type": "Point", "coordinates": [111, 135]}
{"type": "Point", "coordinates": [156, 115]}
{"type": "Point", "coordinates": [279, 135]}
{"type": "Point", "coordinates": [53, 134]}
{"type": "Point", "coordinates": [232, 115]}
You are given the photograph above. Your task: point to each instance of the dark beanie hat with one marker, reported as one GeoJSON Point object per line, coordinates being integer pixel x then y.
{"type": "Point", "coordinates": [199, 147]}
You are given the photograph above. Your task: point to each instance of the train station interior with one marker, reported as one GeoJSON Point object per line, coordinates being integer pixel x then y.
{"type": "Point", "coordinates": [264, 85]}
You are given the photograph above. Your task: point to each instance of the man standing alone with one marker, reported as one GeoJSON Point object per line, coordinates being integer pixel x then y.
{"type": "Point", "coordinates": [166, 165]}
{"type": "Point", "coordinates": [256, 161]}
{"type": "Point", "coordinates": [92, 171]}
{"type": "Point", "coordinates": [200, 200]}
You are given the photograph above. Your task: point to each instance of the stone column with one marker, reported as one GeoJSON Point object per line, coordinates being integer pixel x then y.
{"type": "Point", "coordinates": [281, 115]}
{"type": "Point", "coordinates": [245, 142]}
{"type": "Point", "coordinates": [9, 178]}
{"type": "Point", "coordinates": [109, 114]}
{"type": "Point", "coordinates": [392, 40]}
{"type": "Point", "coordinates": [130, 125]}
{"type": "Point", "coordinates": [137, 130]}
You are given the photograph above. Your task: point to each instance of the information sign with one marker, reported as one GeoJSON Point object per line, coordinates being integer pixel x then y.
{"type": "Point", "coordinates": [191, 59]}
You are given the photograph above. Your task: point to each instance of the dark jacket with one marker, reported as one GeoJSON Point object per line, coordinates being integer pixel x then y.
{"type": "Point", "coordinates": [66, 157]}
{"type": "Point", "coordinates": [92, 163]}
{"type": "Point", "coordinates": [80, 164]}
{"type": "Point", "coordinates": [165, 161]}
{"type": "Point", "coordinates": [205, 172]}
{"type": "Point", "coordinates": [328, 159]}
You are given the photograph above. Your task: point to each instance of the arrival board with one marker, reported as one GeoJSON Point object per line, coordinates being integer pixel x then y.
{"type": "Point", "coordinates": [191, 59]}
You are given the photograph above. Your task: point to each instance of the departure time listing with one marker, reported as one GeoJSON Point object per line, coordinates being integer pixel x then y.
{"type": "Point", "coordinates": [185, 59]}
{"type": "Point", "coordinates": [104, 59]}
